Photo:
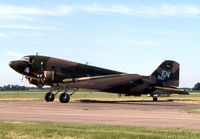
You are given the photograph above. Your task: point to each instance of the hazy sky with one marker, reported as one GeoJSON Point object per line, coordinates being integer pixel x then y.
{"type": "Point", "coordinates": [133, 36]}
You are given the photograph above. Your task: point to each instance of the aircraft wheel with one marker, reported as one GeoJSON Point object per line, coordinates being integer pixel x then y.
{"type": "Point", "coordinates": [49, 97]}
{"type": "Point", "coordinates": [64, 98]}
{"type": "Point", "coordinates": [155, 99]}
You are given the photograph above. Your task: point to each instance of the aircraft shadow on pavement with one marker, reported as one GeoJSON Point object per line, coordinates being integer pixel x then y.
{"type": "Point", "coordinates": [164, 103]}
{"type": "Point", "coordinates": [119, 101]}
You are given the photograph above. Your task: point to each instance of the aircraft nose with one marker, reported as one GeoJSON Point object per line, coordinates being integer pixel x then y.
{"type": "Point", "coordinates": [18, 66]}
{"type": "Point", "coordinates": [13, 64]}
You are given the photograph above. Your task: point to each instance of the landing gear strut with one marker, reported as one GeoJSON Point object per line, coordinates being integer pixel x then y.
{"type": "Point", "coordinates": [155, 97]}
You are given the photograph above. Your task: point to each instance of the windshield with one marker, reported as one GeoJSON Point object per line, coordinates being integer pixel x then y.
{"type": "Point", "coordinates": [25, 59]}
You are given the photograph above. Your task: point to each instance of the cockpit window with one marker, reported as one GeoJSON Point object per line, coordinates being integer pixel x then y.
{"type": "Point", "coordinates": [26, 59]}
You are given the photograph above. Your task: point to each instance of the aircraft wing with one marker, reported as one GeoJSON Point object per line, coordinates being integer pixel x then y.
{"type": "Point", "coordinates": [101, 82]}
{"type": "Point", "coordinates": [68, 80]}
{"type": "Point", "coordinates": [115, 80]}
{"type": "Point", "coordinates": [171, 90]}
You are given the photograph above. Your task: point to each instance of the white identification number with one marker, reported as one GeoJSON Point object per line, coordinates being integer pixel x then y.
{"type": "Point", "coordinates": [164, 75]}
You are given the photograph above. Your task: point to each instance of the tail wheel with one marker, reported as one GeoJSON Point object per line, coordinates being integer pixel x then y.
{"type": "Point", "coordinates": [64, 98]}
{"type": "Point", "coordinates": [49, 97]}
{"type": "Point", "coordinates": [155, 99]}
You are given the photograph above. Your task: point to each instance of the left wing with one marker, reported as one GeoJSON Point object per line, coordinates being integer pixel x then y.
{"type": "Point", "coordinates": [68, 80]}
{"type": "Point", "coordinates": [101, 82]}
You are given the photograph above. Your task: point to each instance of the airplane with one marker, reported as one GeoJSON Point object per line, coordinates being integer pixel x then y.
{"type": "Point", "coordinates": [63, 74]}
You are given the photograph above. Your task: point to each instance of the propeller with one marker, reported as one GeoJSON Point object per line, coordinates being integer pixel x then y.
{"type": "Point", "coordinates": [22, 79]}
{"type": "Point", "coordinates": [41, 73]}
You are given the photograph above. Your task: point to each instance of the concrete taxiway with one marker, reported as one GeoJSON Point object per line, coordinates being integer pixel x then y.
{"type": "Point", "coordinates": [148, 114]}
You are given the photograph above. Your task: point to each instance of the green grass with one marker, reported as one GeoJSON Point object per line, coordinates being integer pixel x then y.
{"type": "Point", "coordinates": [39, 95]}
{"type": "Point", "coordinates": [47, 130]}
{"type": "Point", "coordinates": [197, 111]}
{"type": "Point", "coordinates": [21, 95]}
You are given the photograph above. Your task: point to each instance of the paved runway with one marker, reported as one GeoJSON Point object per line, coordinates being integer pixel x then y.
{"type": "Point", "coordinates": [148, 114]}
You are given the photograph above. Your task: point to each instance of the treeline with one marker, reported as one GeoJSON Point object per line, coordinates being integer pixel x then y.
{"type": "Point", "coordinates": [196, 86]}
{"type": "Point", "coordinates": [15, 88]}
{"type": "Point", "coordinates": [25, 88]}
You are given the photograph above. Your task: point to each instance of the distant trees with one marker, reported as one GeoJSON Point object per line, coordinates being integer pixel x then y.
{"type": "Point", "coordinates": [196, 86]}
{"type": "Point", "coordinates": [20, 88]}
{"type": "Point", "coordinates": [13, 88]}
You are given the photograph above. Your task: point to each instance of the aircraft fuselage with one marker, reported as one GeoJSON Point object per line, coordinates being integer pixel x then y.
{"type": "Point", "coordinates": [43, 70]}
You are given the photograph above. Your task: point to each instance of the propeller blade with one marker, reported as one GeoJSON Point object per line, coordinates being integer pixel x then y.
{"type": "Point", "coordinates": [22, 79]}
{"type": "Point", "coordinates": [42, 72]}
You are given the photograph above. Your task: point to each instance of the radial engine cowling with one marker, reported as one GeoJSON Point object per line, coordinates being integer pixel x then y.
{"type": "Point", "coordinates": [36, 82]}
{"type": "Point", "coordinates": [49, 76]}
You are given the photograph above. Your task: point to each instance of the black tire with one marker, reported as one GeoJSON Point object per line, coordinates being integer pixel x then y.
{"type": "Point", "coordinates": [155, 99]}
{"type": "Point", "coordinates": [64, 98]}
{"type": "Point", "coordinates": [49, 97]}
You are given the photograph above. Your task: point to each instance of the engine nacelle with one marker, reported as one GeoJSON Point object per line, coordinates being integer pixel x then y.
{"type": "Point", "coordinates": [45, 78]}
{"type": "Point", "coordinates": [36, 82]}
{"type": "Point", "coordinates": [49, 76]}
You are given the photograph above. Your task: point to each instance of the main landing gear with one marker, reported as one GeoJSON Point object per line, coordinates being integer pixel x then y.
{"type": "Point", "coordinates": [49, 97]}
{"type": "Point", "coordinates": [63, 98]}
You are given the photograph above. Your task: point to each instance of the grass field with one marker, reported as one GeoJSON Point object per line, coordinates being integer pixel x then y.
{"type": "Point", "coordinates": [46, 130]}
{"type": "Point", "coordinates": [197, 111]}
{"type": "Point", "coordinates": [39, 95]}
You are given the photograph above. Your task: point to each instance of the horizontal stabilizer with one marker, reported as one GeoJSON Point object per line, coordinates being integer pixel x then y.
{"type": "Point", "coordinates": [172, 90]}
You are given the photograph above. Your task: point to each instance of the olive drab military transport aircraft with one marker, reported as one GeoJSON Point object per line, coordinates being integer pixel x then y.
{"type": "Point", "coordinates": [48, 71]}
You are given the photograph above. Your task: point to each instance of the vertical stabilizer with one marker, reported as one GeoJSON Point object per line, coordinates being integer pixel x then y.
{"type": "Point", "coordinates": [167, 74]}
